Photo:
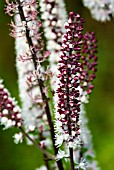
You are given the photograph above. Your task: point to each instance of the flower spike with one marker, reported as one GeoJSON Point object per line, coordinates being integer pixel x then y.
{"type": "Point", "coordinates": [67, 93]}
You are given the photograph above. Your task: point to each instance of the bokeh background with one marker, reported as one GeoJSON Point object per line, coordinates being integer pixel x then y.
{"type": "Point", "coordinates": [100, 109]}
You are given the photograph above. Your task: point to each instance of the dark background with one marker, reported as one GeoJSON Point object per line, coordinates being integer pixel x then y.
{"type": "Point", "coordinates": [100, 109]}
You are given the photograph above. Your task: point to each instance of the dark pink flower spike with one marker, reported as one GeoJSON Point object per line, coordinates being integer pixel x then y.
{"type": "Point", "coordinates": [77, 68]}
{"type": "Point", "coordinates": [67, 94]}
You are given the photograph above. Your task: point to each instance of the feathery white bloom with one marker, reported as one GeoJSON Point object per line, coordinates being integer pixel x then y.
{"type": "Point", "coordinates": [61, 154]}
{"type": "Point", "coordinates": [54, 17]}
{"type": "Point", "coordinates": [59, 140]}
{"type": "Point", "coordinates": [87, 140]}
{"type": "Point", "coordinates": [30, 111]}
{"type": "Point", "coordinates": [33, 113]}
{"type": "Point", "coordinates": [82, 164]}
{"type": "Point", "coordinates": [101, 10]}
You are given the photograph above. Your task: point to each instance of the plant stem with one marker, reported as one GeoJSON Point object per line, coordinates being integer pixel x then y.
{"type": "Point", "coordinates": [37, 146]}
{"type": "Point", "coordinates": [44, 155]}
{"type": "Point", "coordinates": [41, 85]}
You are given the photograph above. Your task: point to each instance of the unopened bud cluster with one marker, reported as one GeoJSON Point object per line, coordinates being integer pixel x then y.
{"type": "Point", "coordinates": [9, 111]}
{"type": "Point", "coordinates": [89, 61]}
{"type": "Point", "coordinates": [67, 93]}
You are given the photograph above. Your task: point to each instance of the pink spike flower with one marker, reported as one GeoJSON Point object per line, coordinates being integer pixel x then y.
{"type": "Point", "coordinates": [72, 69]}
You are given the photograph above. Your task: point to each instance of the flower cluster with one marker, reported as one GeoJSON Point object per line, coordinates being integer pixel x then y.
{"type": "Point", "coordinates": [67, 93]}
{"type": "Point", "coordinates": [89, 61]}
{"type": "Point", "coordinates": [11, 8]}
{"type": "Point", "coordinates": [10, 113]}
{"type": "Point", "coordinates": [101, 10]}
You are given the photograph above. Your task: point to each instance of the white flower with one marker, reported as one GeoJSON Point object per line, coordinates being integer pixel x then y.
{"type": "Point", "coordinates": [16, 109]}
{"type": "Point", "coordinates": [100, 9]}
{"type": "Point", "coordinates": [59, 140]}
{"type": "Point", "coordinates": [18, 137]}
{"type": "Point", "coordinates": [9, 124]}
{"type": "Point", "coordinates": [61, 154]}
{"type": "Point", "coordinates": [82, 164]}
{"type": "Point", "coordinates": [48, 142]}
{"type": "Point", "coordinates": [100, 14]}
{"type": "Point", "coordinates": [31, 127]}
{"type": "Point", "coordinates": [5, 111]}
{"type": "Point", "coordinates": [6, 122]}
{"type": "Point", "coordinates": [30, 111]}
{"type": "Point", "coordinates": [90, 3]}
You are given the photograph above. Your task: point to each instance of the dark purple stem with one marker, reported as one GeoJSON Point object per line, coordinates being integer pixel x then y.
{"type": "Point", "coordinates": [69, 118]}
{"type": "Point", "coordinates": [41, 85]}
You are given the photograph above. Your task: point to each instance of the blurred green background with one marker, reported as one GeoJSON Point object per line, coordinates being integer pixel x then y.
{"type": "Point", "coordinates": [100, 110]}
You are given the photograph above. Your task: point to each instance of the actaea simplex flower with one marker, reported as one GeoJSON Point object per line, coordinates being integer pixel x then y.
{"type": "Point", "coordinates": [76, 71]}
